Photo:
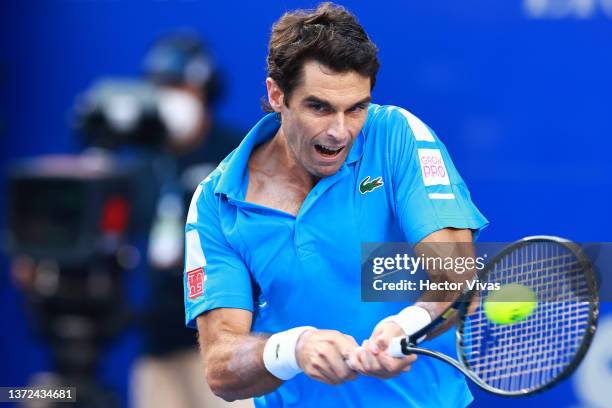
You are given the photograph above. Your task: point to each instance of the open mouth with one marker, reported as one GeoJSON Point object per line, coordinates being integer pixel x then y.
{"type": "Point", "coordinates": [328, 151]}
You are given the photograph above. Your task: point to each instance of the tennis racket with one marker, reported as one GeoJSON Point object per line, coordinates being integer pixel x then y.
{"type": "Point", "coordinates": [533, 354]}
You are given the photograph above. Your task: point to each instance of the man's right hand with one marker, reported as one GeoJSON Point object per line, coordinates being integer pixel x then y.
{"type": "Point", "coordinates": [323, 355]}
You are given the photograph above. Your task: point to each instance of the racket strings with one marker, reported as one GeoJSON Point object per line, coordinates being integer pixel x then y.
{"type": "Point", "coordinates": [531, 353]}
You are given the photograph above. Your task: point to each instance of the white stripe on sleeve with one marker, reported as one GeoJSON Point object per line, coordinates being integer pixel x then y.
{"type": "Point", "coordinates": [192, 215]}
{"type": "Point", "coordinates": [195, 255]}
{"type": "Point", "coordinates": [420, 130]}
{"type": "Point", "coordinates": [442, 196]}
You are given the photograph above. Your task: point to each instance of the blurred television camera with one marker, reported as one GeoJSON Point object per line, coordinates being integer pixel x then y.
{"type": "Point", "coordinates": [72, 218]}
{"type": "Point", "coordinates": [120, 112]}
{"type": "Point", "coordinates": [69, 221]}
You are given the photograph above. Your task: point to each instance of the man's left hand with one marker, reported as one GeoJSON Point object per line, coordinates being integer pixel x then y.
{"type": "Point", "coordinates": [373, 360]}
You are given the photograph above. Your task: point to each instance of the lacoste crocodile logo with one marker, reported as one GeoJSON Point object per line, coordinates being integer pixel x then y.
{"type": "Point", "coordinates": [367, 186]}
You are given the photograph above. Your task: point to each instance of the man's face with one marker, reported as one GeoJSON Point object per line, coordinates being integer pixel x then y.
{"type": "Point", "coordinates": [326, 113]}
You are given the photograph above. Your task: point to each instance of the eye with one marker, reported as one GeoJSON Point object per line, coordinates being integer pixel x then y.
{"type": "Point", "coordinates": [358, 108]}
{"type": "Point", "coordinates": [317, 107]}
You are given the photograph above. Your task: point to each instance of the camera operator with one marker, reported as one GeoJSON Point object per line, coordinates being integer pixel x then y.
{"type": "Point", "coordinates": [168, 373]}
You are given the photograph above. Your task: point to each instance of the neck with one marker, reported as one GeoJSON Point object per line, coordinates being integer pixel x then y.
{"type": "Point", "coordinates": [276, 157]}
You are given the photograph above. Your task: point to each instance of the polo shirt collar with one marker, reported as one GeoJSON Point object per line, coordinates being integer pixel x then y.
{"type": "Point", "coordinates": [357, 149]}
{"type": "Point", "coordinates": [234, 167]}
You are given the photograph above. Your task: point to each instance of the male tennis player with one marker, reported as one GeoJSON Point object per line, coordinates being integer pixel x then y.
{"type": "Point", "coordinates": [273, 236]}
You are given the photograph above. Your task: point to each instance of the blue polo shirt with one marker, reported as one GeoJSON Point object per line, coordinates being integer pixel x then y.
{"type": "Point", "coordinates": [305, 270]}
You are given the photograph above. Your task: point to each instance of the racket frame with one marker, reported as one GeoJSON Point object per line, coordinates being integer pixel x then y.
{"type": "Point", "coordinates": [409, 344]}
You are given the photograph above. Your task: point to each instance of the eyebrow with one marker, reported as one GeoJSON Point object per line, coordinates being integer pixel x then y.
{"type": "Point", "coordinates": [314, 99]}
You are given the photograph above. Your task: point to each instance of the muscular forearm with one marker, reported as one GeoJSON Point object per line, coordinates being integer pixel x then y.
{"type": "Point", "coordinates": [436, 302]}
{"type": "Point", "coordinates": [444, 244]}
{"type": "Point", "coordinates": [235, 368]}
{"type": "Point", "coordinates": [233, 355]}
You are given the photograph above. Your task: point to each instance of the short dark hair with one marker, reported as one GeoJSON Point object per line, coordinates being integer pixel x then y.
{"type": "Point", "coordinates": [330, 35]}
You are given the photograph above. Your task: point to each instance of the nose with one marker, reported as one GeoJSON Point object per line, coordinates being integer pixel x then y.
{"type": "Point", "coordinates": [338, 128]}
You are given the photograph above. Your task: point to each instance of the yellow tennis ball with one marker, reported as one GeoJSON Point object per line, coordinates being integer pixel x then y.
{"type": "Point", "coordinates": [510, 304]}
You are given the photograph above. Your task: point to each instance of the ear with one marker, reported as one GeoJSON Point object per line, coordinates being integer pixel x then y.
{"type": "Point", "coordinates": [275, 94]}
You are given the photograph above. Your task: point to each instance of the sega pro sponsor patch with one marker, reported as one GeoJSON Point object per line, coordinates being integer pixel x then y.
{"type": "Point", "coordinates": [432, 167]}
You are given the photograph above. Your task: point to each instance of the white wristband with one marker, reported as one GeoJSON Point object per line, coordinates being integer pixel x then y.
{"type": "Point", "coordinates": [410, 319]}
{"type": "Point", "coordinates": [279, 353]}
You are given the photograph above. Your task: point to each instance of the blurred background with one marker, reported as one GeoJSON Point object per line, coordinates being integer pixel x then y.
{"type": "Point", "coordinates": [518, 91]}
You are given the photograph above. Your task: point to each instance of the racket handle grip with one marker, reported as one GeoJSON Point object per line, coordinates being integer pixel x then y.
{"type": "Point", "coordinates": [395, 347]}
